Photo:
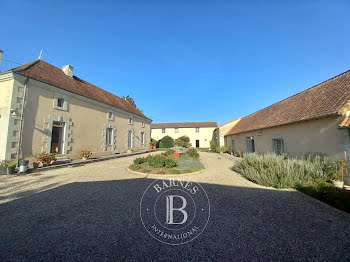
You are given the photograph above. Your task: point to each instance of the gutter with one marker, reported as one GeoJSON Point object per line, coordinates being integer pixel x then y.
{"type": "Point", "coordinates": [285, 124]}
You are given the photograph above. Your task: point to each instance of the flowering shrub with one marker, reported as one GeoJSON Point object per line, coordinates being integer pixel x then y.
{"type": "Point", "coordinates": [46, 158]}
{"type": "Point", "coordinates": [85, 153]}
{"type": "Point", "coordinates": [192, 153]}
{"type": "Point", "coordinates": [161, 160]}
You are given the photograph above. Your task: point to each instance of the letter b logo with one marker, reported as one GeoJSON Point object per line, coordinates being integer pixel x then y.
{"type": "Point", "coordinates": [170, 210]}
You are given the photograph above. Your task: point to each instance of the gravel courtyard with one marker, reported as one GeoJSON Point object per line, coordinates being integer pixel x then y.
{"type": "Point", "coordinates": [91, 213]}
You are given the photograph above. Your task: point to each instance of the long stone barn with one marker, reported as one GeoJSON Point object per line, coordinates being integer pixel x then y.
{"type": "Point", "coordinates": [314, 121]}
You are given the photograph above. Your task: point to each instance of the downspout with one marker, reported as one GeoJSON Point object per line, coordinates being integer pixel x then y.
{"type": "Point", "coordinates": [19, 148]}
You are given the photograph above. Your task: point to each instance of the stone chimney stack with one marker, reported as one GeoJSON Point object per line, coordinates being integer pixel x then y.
{"type": "Point", "coordinates": [1, 52]}
{"type": "Point", "coordinates": [68, 70]}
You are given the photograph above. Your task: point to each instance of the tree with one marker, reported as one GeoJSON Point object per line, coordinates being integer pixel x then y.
{"type": "Point", "coordinates": [130, 100]}
{"type": "Point", "coordinates": [166, 142]}
{"type": "Point", "coordinates": [183, 141]}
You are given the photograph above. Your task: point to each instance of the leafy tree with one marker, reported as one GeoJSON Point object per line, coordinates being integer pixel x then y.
{"type": "Point", "coordinates": [166, 142]}
{"type": "Point", "coordinates": [130, 100]}
{"type": "Point", "coordinates": [183, 141]}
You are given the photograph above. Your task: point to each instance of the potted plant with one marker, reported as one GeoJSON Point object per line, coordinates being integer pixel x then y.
{"type": "Point", "coordinates": [337, 173]}
{"type": "Point", "coordinates": [85, 154]}
{"type": "Point", "coordinates": [10, 167]}
{"type": "Point", "coordinates": [45, 159]}
{"type": "Point", "coordinates": [152, 144]}
{"type": "Point", "coordinates": [23, 166]}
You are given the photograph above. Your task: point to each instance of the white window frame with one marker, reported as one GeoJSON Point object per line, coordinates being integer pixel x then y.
{"type": "Point", "coordinates": [278, 146]}
{"type": "Point", "coordinates": [143, 124]}
{"type": "Point", "coordinates": [176, 130]}
{"type": "Point", "coordinates": [197, 129]}
{"type": "Point", "coordinates": [131, 121]}
{"type": "Point", "coordinates": [110, 115]}
{"type": "Point", "coordinates": [65, 102]}
{"type": "Point", "coordinates": [143, 138]}
{"type": "Point", "coordinates": [249, 144]}
{"type": "Point", "coordinates": [163, 130]}
{"type": "Point", "coordinates": [109, 136]}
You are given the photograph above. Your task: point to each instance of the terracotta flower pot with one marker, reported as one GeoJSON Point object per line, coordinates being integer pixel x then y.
{"type": "Point", "coordinates": [176, 155]}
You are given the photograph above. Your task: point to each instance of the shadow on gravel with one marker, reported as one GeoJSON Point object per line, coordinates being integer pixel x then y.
{"type": "Point", "coordinates": [100, 221]}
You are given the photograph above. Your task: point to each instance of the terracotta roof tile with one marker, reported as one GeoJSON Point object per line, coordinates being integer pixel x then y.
{"type": "Point", "coordinates": [345, 123]}
{"type": "Point", "coordinates": [324, 99]}
{"type": "Point", "coordinates": [184, 124]}
{"type": "Point", "coordinates": [45, 72]}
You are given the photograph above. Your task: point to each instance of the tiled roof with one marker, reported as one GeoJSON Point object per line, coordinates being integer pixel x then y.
{"type": "Point", "coordinates": [45, 72]}
{"type": "Point", "coordinates": [184, 124]}
{"type": "Point", "coordinates": [324, 99]}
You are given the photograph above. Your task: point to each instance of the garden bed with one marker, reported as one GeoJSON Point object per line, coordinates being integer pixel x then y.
{"type": "Point", "coordinates": [311, 176]}
{"type": "Point", "coordinates": [166, 163]}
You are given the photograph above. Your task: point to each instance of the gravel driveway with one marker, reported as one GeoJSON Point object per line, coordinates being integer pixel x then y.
{"type": "Point", "coordinates": [91, 213]}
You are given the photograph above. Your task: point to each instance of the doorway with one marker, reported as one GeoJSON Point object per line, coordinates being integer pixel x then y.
{"type": "Point", "coordinates": [197, 143]}
{"type": "Point", "coordinates": [57, 138]}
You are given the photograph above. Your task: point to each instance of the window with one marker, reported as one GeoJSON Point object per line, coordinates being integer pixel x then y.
{"type": "Point", "coordinates": [278, 146]}
{"type": "Point", "coordinates": [143, 124]}
{"type": "Point", "coordinates": [109, 136]}
{"type": "Point", "coordinates": [233, 146]}
{"type": "Point", "coordinates": [110, 115]}
{"type": "Point", "coordinates": [130, 121]}
{"type": "Point", "coordinates": [163, 130]}
{"type": "Point", "coordinates": [176, 130]}
{"type": "Point", "coordinates": [197, 129]}
{"type": "Point", "coordinates": [60, 102]}
{"type": "Point", "coordinates": [142, 138]}
{"type": "Point", "coordinates": [250, 144]}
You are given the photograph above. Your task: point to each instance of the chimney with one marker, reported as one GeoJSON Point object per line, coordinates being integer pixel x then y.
{"type": "Point", "coordinates": [68, 70]}
{"type": "Point", "coordinates": [1, 52]}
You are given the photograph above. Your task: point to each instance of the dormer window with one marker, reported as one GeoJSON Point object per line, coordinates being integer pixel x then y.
{"type": "Point", "coordinates": [130, 121]}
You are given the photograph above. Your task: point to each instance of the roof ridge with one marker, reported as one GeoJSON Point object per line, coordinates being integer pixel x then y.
{"type": "Point", "coordinates": [26, 66]}
{"type": "Point", "coordinates": [347, 71]}
{"type": "Point", "coordinates": [120, 103]}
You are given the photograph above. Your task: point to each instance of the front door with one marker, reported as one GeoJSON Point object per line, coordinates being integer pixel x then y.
{"type": "Point", "coordinates": [57, 139]}
{"type": "Point", "coordinates": [197, 143]}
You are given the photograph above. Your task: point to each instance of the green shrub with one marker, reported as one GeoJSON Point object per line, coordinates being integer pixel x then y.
{"type": "Point", "coordinates": [170, 162]}
{"type": "Point", "coordinates": [183, 141]}
{"type": "Point", "coordinates": [156, 161]}
{"type": "Point", "coordinates": [166, 142]}
{"type": "Point", "coordinates": [8, 164]}
{"type": "Point", "coordinates": [140, 160]}
{"type": "Point", "coordinates": [224, 149]}
{"type": "Point", "coordinates": [135, 167]}
{"type": "Point", "coordinates": [145, 170]}
{"type": "Point", "coordinates": [188, 162]}
{"type": "Point", "coordinates": [169, 152]}
{"type": "Point", "coordinates": [175, 171]}
{"type": "Point", "coordinates": [192, 153]}
{"type": "Point", "coordinates": [277, 171]}
{"type": "Point", "coordinates": [327, 193]}
{"type": "Point", "coordinates": [153, 142]}
{"type": "Point", "coordinates": [212, 146]}
{"type": "Point", "coordinates": [186, 171]}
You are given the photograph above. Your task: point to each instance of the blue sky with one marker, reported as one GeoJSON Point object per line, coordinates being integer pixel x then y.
{"type": "Point", "coordinates": [185, 60]}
